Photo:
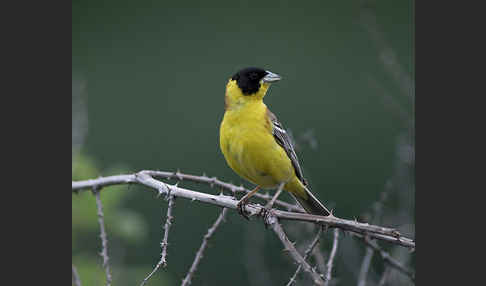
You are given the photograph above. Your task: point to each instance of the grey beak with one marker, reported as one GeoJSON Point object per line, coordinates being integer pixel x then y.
{"type": "Point", "coordinates": [271, 77]}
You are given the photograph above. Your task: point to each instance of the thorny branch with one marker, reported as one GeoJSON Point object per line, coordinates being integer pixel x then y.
{"type": "Point", "coordinates": [211, 181]}
{"type": "Point", "coordinates": [365, 266]}
{"type": "Point", "coordinates": [164, 243]}
{"type": "Point", "coordinates": [332, 256]}
{"type": "Point", "coordinates": [269, 205]}
{"type": "Point", "coordinates": [387, 258]}
{"type": "Point", "coordinates": [289, 246]}
{"type": "Point", "coordinates": [145, 178]}
{"type": "Point", "coordinates": [104, 240]}
{"type": "Point", "coordinates": [306, 255]}
{"type": "Point", "coordinates": [272, 218]}
{"type": "Point", "coordinates": [372, 246]}
{"type": "Point", "coordinates": [199, 254]}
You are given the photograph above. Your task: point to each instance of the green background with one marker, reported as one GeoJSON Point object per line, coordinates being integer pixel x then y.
{"type": "Point", "coordinates": [150, 77]}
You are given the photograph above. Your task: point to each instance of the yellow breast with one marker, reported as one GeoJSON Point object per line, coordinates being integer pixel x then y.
{"type": "Point", "coordinates": [249, 148]}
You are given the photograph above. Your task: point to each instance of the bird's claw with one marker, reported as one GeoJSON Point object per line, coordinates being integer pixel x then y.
{"type": "Point", "coordinates": [266, 213]}
{"type": "Point", "coordinates": [241, 209]}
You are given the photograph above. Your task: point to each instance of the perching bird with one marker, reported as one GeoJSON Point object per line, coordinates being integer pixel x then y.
{"type": "Point", "coordinates": [256, 145]}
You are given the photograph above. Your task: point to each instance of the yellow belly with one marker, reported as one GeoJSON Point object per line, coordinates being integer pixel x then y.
{"type": "Point", "coordinates": [251, 151]}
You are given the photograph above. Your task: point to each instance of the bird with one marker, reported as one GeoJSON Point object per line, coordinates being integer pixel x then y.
{"type": "Point", "coordinates": [256, 145]}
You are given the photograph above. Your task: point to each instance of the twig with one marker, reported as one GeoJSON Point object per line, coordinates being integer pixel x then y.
{"type": "Point", "coordinates": [199, 254]}
{"type": "Point", "coordinates": [332, 256]}
{"type": "Point", "coordinates": [319, 259]}
{"type": "Point", "coordinates": [384, 277]}
{"type": "Point", "coordinates": [213, 181]}
{"type": "Point", "coordinates": [104, 240]}
{"type": "Point", "coordinates": [164, 243]}
{"type": "Point", "coordinates": [289, 246]}
{"type": "Point", "coordinates": [269, 205]}
{"type": "Point", "coordinates": [387, 257]}
{"type": "Point", "coordinates": [145, 178]}
{"type": "Point", "coordinates": [76, 280]}
{"type": "Point", "coordinates": [365, 266]}
{"type": "Point", "coordinates": [306, 255]}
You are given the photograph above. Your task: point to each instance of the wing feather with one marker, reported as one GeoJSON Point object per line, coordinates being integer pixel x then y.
{"type": "Point", "coordinates": [284, 140]}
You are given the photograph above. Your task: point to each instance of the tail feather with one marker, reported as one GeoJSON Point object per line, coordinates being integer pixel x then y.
{"type": "Point", "coordinates": [311, 204]}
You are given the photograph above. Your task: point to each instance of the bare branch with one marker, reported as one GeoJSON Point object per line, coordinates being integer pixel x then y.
{"type": "Point", "coordinates": [365, 266]}
{"type": "Point", "coordinates": [76, 280]}
{"type": "Point", "coordinates": [306, 255]}
{"type": "Point", "coordinates": [332, 256]}
{"type": "Point", "coordinates": [319, 259]}
{"type": "Point", "coordinates": [289, 246]}
{"type": "Point", "coordinates": [213, 181]}
{"type": "Point", "coordinates": [104, 240]}
{"type": "Point", "coordinates": [145, 178]}
{"type": "Point", "coordinates": [164, 243]}
{"type": "Point", "coordinates": [384, 277]}
{"type": "Point", "coordinates": [387, 257]}
{"type": "Point", "coordinates": [345, 224]}
{"type": "Point", "coordinates": [274, 198]}
{"type": "Point", "coordinates": [167, 225]}
{"type": "Point", "coordinates": [199, 254]}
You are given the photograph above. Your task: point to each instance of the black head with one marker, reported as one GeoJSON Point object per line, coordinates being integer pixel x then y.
{"type": "Point", "coordinates": [249, 79]}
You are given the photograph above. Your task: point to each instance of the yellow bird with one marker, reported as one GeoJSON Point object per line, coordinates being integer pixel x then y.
{"type": "Point", "coordinates": [256, 145]}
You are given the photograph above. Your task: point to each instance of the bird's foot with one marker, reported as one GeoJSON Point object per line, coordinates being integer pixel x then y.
{"type": "Point", "coordinates": [266, 213]}
{"type": "Point", "coordinates": [241, 208]}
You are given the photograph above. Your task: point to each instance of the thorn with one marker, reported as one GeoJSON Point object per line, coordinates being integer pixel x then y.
{"type": "Point", "coordinates": [396, 233]}
{"type": "Point", "coordinates": [213, 181]}
{"type": "Point", "coordinates": [177, 174]}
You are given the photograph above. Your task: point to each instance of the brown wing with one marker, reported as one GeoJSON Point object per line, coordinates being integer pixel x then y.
{"type": "Point", "coordinates": [283, 139]}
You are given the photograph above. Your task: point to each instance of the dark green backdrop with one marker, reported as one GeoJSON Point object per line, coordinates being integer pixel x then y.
{"type": "Point", "coordinates": [154, 74]}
